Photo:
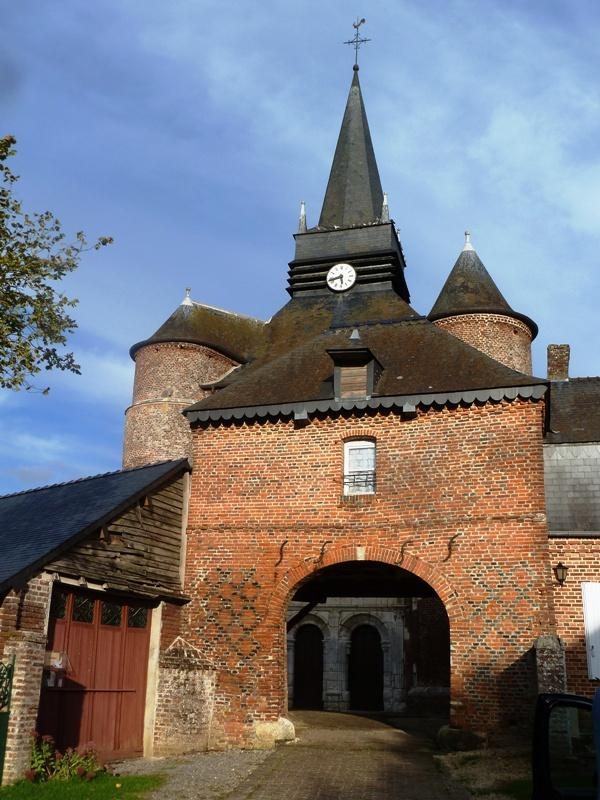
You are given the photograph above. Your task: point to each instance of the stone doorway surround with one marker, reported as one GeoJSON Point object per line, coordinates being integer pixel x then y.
{"type": "Point", "coordinates": [337, 619]}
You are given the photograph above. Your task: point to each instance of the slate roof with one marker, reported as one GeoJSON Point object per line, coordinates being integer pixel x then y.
{"type": "Point", "coordinates": [353, 195]}
{"type": "Point", "coordinates": [574, 411]}
{"type": "Point", "coordinates": [38, 525]}
{"type": "Point", "coordinates": [233, 335]}
{"type": "Point", "coordinates": [418, 358]}
{"type": "Point", "coordinates": [469, 289]}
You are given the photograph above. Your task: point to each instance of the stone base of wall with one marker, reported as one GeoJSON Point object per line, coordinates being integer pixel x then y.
{"type": "Point", "coordinates": [550, 664]}
{"type": "Point", "coordinates": [185, 701]}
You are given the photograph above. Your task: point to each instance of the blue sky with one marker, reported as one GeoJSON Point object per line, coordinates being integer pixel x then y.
{"type": "Point", "coordinates": [191, 130]}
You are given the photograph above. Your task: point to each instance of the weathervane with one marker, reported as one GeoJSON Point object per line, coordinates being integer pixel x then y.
{"type": "Point", "coordinates": [358, 40]}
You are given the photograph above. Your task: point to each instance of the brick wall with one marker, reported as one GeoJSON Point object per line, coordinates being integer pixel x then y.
{"type": "Point", "coordinates": [23, 631]}
{"type": "Point", "coordinates": [8, 617]}
{"type": "Point", "coordinates": [582, 556]}
{"type": "Point", "coordinates": [558, 356]}
{"type": "Point", "coordinates": [429, 644]}
{"type": "Point", "coordinates": [185, 691]}
{"type": "Point", "coordinates": [460, 502]}
{"type": "Point", "coordinates": [171, 624]}
{"type": "Point", "coordinates": [168, 378]}
{"type": "Point", "coordinates": [506, 339]}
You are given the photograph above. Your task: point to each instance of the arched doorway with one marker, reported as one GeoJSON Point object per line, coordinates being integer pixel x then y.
{"type": "Point", "coordinates": [308, 667]}
{"type": "Point", "coordinates": [406, 655]}
{"type": "Point", "coordinates": [365, 669]}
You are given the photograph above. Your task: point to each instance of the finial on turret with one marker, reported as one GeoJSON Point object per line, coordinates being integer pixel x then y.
{"type": "Point", "coordinates": [385, 209]}
{"type": "Point", "coordinates": [357, 40]}
{"type": "Point", "coordinates": [468, 245]}
{"type": "Point", "coordinates": [187, 300]}
{"type": "Point", "coordinates": [302, 221]}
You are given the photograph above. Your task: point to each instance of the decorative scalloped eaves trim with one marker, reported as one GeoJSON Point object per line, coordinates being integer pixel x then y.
{"type": "Point", "coordinates": [406, 404]}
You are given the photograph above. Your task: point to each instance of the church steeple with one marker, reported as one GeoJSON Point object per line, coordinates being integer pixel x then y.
{"type": "Point", "coordinates": [354, 229]}
{"type": "Point", "coordinates": [354, 195]}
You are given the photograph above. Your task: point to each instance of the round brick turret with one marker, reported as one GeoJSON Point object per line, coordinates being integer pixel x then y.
{"type": "Point", "coordinates": [168, 378]}
{"type": "Point", "coordinates": [176, 367]}
{"type": "Point", "coordinates": [504, 338]}
{"type": "Point", "coordinates": [471, 307]}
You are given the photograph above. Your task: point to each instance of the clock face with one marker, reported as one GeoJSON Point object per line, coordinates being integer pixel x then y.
{"type": "Point", "coordinates": [341, 277]}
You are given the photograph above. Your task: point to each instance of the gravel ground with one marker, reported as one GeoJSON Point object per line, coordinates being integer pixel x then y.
{"type": "Point", "coordinates": [201, 776]}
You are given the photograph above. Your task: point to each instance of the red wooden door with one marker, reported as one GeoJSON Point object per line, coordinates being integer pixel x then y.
{"type": "Point", "coordinates": [95, 685]}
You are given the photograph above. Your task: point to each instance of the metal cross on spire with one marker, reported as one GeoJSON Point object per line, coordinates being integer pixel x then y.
{"type": "Point", "coordinates": [357, 40]}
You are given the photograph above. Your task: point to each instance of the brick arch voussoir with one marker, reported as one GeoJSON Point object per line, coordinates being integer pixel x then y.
{"type": "Point", "coordinates": [362, 432]}
{"type": "Point", "coordinates": [430, 573]}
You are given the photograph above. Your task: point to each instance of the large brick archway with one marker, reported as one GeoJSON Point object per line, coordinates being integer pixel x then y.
{"type": "Point", "coordinates": [291, 580]}
{"type": "Point", "coordinates": [304, 573]}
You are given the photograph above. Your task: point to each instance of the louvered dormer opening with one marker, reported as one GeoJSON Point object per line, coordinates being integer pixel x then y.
{"type": "Point", "coordinates": [355, 374]}
{"type": "Point", "coordinates": [354, 381]}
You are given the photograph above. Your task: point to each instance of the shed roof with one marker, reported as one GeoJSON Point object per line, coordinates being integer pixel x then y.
{"type": "Point", "coordinates": [38, 525]}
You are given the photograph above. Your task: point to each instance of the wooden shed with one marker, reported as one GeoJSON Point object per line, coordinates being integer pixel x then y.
{"type": "Point", "coordinates": [88, 570]}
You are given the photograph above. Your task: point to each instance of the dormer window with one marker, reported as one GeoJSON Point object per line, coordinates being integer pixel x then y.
{"type": "Point", "coordinates": [355, 374]}
{"type": "Point", "coordinates": [359, 467]}
{"type": "Point", "coordinates": [354, 381]}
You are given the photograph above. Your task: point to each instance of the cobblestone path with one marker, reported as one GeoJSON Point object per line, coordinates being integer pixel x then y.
{"type": "Point", "coordinates": [335, 757]}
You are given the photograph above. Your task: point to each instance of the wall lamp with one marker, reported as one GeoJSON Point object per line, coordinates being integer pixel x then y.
{"type": "Point", "coordinates": [560, 572]}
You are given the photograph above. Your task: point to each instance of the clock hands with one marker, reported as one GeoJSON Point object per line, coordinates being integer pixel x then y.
{"type": "Point", "coordinates": [345, 276]}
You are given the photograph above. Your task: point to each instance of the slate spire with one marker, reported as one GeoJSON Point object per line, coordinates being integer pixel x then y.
{"type": "Point", "coordinates": [354, 195]}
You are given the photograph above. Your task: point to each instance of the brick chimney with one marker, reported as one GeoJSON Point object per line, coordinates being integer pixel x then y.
{"type": "Point", "coordinates": [558, 362]}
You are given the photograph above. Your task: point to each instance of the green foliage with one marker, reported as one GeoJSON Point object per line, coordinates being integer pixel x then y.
{"type": "Point", "coordinates": [105, 787]}
{"type": "Point", "coordinates": [34, 316]}
{"type": "Point", "coordinates": [47, 763]}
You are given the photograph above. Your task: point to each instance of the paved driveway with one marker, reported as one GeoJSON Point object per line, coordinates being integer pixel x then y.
{"type": "Point", "coordinates": [335, 757]}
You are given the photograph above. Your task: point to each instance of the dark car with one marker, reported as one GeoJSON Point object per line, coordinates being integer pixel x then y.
{"type": "Point", "coordinates": [566, 747]}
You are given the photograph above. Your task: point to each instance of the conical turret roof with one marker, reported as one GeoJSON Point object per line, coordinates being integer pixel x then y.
{"type": "Point", "coordinates": [470, 289]}
{"type": "Point", "coordinates": [233, 335]}
{"type": "Point", "coordinates": [354, 195]}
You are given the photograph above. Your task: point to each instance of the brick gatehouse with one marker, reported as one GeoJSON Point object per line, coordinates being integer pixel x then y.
{"type": "Point", "coordinates": [379, 514]}
{"type": "Point", "coordinates": [354, 453]}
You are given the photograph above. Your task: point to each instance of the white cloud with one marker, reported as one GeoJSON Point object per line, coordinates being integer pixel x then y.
{"type": "Point", "coordinates": [43, 448]}
{"type": "Point", "coordinates": [29, 456]}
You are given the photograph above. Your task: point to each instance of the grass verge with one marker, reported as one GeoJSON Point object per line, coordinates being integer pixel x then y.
{"type": "Point", "coordinates": [104, 787]}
